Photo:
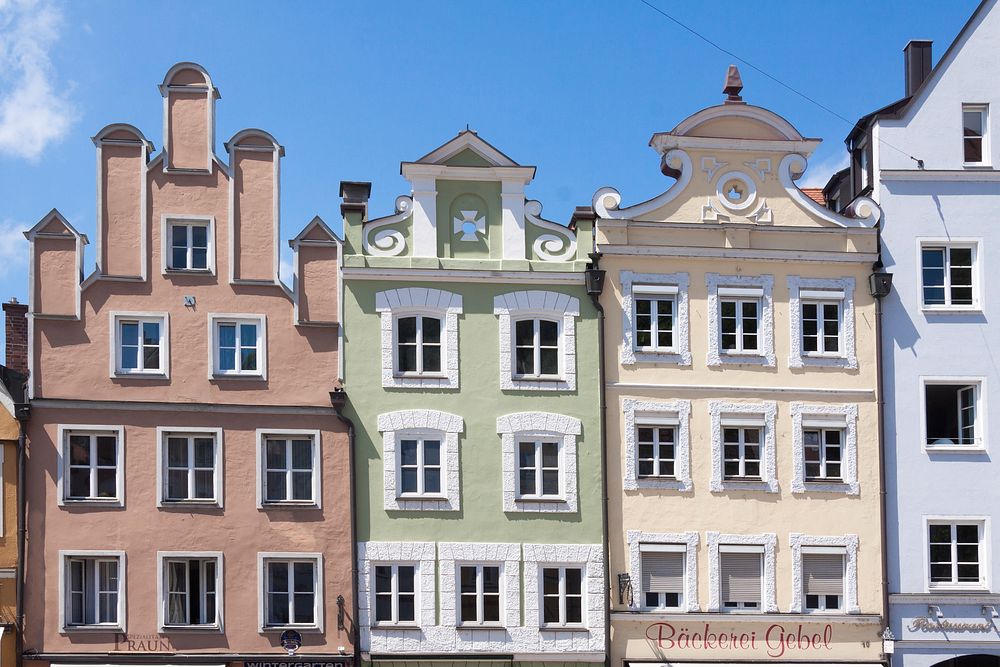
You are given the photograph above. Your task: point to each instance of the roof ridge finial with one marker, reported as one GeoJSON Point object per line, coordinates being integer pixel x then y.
{"type": "Point", "coordinates": [734, 84]}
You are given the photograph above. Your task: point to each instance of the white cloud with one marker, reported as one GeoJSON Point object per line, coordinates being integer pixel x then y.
{"type": "Point", "coordinates": [285, 270]}
{"type": "Point", "coordinates": [33, 111]}
{"type": "Point", "coordinates": [818, 174]}
{"type": "Point", "coordinates": [13, 250]}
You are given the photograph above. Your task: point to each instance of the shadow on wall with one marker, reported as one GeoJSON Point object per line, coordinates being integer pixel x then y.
{"type": "Point", "coordinates": [902, 331]}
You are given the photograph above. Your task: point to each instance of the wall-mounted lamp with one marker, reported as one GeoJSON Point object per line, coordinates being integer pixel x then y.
{"type": "Point", "coordinates": [880, 283]}
{"type": "Point", "coordinates": [989, 611]}
{"type": "Point", "coordinates": [594, 275]}
{"type": "Point", "coordinates": [934, 611]}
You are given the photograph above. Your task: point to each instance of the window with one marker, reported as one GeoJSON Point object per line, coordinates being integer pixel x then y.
{"type": "Point", "coordinates": [951, 414]}
{"type": "Point", "coordinates": [741, 577]}
{"type": "Point", "coordinates": [93, 590]}
{"type": "Point", "coordinates": [292, 590]}
{"type": "Point", "coordinates": [395, 594]}
{"type": "Point", "coordinates": [823, 449]}
{"type": "Point", "coordinates": [191, 591]}
{"type": "Point", "coordinates": [562, 596]}
{"type": "Point", "coordinates": [190, 466]}
{"type": "Point", "coordinates": [92, 466]}
{"type": "Point", "coordinates": [740, 325]}
{"type": "Point", "coordinates": [536, 348]}
{"type": "Point", "coordinates": [418, 345]}
{"type": "Point", "coordinates": [141, 344]}
{"type": "Point", "coordinates": [539, 470]}
{"type": "Point", "coordinates": [189, 249]}
{"type": "Point", "coordinates": [662, 575]}
{"type": "Point", "coordinates": [741, 320]}
{"type": "Point", "coordinates": [823, 581]}
{"type": "Point", "coordinates": [479, 594]}
{"type": "Point", "coordinates": [655, 318]}
{"type": "Point", "coordinates": [420, 466]}
{"type": "Point", "coordinates": [956, 554]}
{"type": "Point", "coordinates": [656, 450]}
{"type": "Point", "coordinates": [822, 322]}
{"type": "Point", "coordinates": [655, 328]}
{"type": "Point", "coordinates": [821, 328]}
{"type": "Point", "coordinates": [974, 133]}
{"type": "Point", "coordinates": [948, 276]}
{"type": "Point", "coordinates": [238, 346]}
{"type": "Point", "coordinates": [290, 468]}
{"type": "Point", "coordinates": [741, 452]}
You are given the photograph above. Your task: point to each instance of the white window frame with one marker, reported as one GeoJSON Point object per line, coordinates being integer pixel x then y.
{"type": "Point", "coordinates": [480, 595]}
{"type": "Point", "coordinates": [983, 109]}
{"type": "Point", "coordinates": [538, 442]}
{"type": "Point", "coordinates": [64, 572]}
{"type": "Point", "coordinates": [563, 623]}
{"type": "Point", "coordinates": [738, 414]}
{"type": "Point", "coordinates": [216, 319]}
{"type": "Point", "coordinates": [985, 560]}
{"type": "Point", "coordinates": [263, 434]}
{"type": "Point", "coordinates": [396, 426]}
{"type": "Point", "coordinates": [394, 594]}
{"type": "Point", "coordinates": [665, 284]}
{"type": "Point", "coordinates": [536, 349]}
{"type": "Point", "coordinates": [688, 542]}
{"type": "Point", "coordinates": [162, 557]}
{"type": "Point", "coordinates": [822, 290]}
{"type": "Point", "coordinates": [442, 345]}
{"type": "Point", "coordinates": [652, 413]}
{"type": "Point", "coordinates": [763, 543]}
{"type": "Point", "coordinates": [843, 416]}
{"type": "Point", "coordinates": [585, 556]}
{"type": "Point", "coordinates": [421, 554]}
{"type": "Point", "coordinates": [116, 318]}
{"type": "Point", "coordinates": [980, 424]}
{"type": "Point", "coordinates": [167, 222]}
{"type": "Point", "coordinates": [750, 287]}
{"type": "Point", "coordinates": [407, 302]}
{"type": "Point", "coordinates": [421, 436]}
{"type": "Point", "coordinates": [847, 545]}
{"type": "Point", "coordinates": [536, 304]}
{"type": "Point", "coordinates": [319, 603]}
{"type": "Point", "coordinates": [539, 426]}
{"type": "Point", "coordinates": [62, 482]}
{"type": "Point", "coordinates": [975, 245]}
{"type": "Point", "coordinates": [453, 555]}
{"type": "Point", "coordinates": [162, 433]}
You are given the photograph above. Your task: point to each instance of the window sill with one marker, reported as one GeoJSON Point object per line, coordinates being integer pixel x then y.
{"type": "Point", "coordinates": [955, 449]}
{"type": "Point", "coordinates": [537, 378]}
{"type": "Point", "coordinates": [297, 628]}
{"type": "Point", "coordinates": [93, 628]}
{"type": "Point", "coordinates": [168, 629]}
{"type": "Point", "coordinates": [289, 505]}
{"type": "Point", "coordinates": [259, 377]}
{"type": "Point", "coordinates": [563, 628]}
{"type": "Point", "coordinates": [395, 626]}
{"type": "Point", "coordinates": [975, 588]}
{"type": "Point", "coordinates": [951, 310]}
{"type": "Point", "coordinates": [188, 272]}
{"type": "Point", "coordinates": [430, 498]}
{"type": "Point", "coordinates": [977, 166]}
{"type": "Point", "coordinates": [140, 375]}
{"type": "Point", "coordinates": [824, 612]}
{"type": "Point", "coordinates": [92, 502]}
{"type": "Point", "coordinates": [484, 627]}
{"type": "Point", "coordinates": [201, 502]}
{"type": "Point", "coordinates": [741, 612]}
{"type": "Point", "coordinates": [419, 376]}
{"type": "Point", "coordinates": [540, 500]}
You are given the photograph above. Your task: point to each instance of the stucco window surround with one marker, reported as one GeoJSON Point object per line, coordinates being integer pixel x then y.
{"type": "Point", "coordinates": [840, 416]}
{"type": "Point", "coordinates": [162, 587]}
{"type": "Point", "coordinates": [421, 555]}
{"type": "Point", "coordinates": [761, 415]}
{"type": "Point", "coordinates": [675, 413]}
{"type": "Point", "coordinates": [673, 285]}
{"type": "Point", "coordinates": [116, 362]}
{"type": "Point", "coordinates": [585, 556]}
{"type": "Point", "coordinates": [840, 544]}
{"type": "Point", "coordinates": [525, 426]}
{"type": "Point", "coordinates": [65, 621]}
{"type": "Point", "coordinates": [163, 466]}
{"type": "Point", "coordinates": [718, 542]}
{"type": "Point", "coordinates": [555, 306]}
{"type": "Point", "coordinates": [94, 462]}
{"type": "Point", "coordinates": [759, 286]}
{"type": "Point", "coordinates": [979, 422]}
{"type": "Point", "coordinates": [985, 562]}
{"type": "Point", "coordinates": [319, 603]}
{"type": "Point", "coordinates": [453, 555]}
{"type": "Point", "coordinates": [411, 301]}
{"type": "Point", "coordinates": [839, 290]}
{"type": "Point", "coordinates": [218, 355]}
{"type": "Point", "coordinates": [395, 426]}
{"type": "Point", "coordinates": [948, 293]}
{"type": "Point", "coordinates": [290, 466]}
{"type": "Point", "coordinates": [688, 540]}
{"type": "Point", "coordinates": [167, 223]}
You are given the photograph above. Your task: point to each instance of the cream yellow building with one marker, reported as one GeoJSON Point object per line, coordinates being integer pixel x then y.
{"type": "Point", "coordinates": [742, 422]}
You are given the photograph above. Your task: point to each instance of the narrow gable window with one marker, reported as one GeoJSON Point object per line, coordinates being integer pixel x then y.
{"type": "Point", "coordinates": [189, 246]}
{"type": "Point", "coordinates": [974, 134]}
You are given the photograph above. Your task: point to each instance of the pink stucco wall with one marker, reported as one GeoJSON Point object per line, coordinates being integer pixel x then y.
{"type": "Point", "coordinates": [121, 214]}
{"type": "Point", "coordinates": [317, 268]}
{"type": "Point", "coordinates": [188, 142]}
{"type": "Point", "coordinates": [253, 187]}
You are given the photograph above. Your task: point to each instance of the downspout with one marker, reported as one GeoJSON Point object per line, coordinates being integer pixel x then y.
{"type": "Point", "coordinates": [338, 399]}
{"type": "Point", "coordinates": [22, 411]}
{"type": "Point", "coordinates": [880, 291]}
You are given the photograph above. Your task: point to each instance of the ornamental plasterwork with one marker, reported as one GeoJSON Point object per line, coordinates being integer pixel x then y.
{"type": "Point", "coordinates": [587, 556]}
{"type": "Point", "coordinates": [395, 426]}
{"type": "Point", "coordinates": [634, 411]}
{"type": "Point", "coordinates": [636, 538]}
{"type": "Point", "coordinates": [390, 304]}
{"type": "Point", "coordinates": [528, 425]}
{"type": "Point", "coordinates": [767, 541]}
{"type": "Point", "coordinates": [607, 201]}
{"type": "Point", "coordinates": [557, 243]}
{"type": "Point", "coordinates": [848, 358]}
{"type": "Point", "coordinates": [710, 165]}
{"type": "Point", "coordinates": [682, 354]}
{"type": "Point", "coordinates": [761, 165]}
{"type": "Point", "coordinates": [767, 412]}
{"type": "Point", "coordinates": [379, 239]}
{"type": "Point", "coordinates": [469, 227]}
{"type": "Point", "coordinates": [766, 321]}
{"type": "Point", "coordinates": [419, 554]}
{"type": "Point", "coordinates": [507, 556]}
{"type": "Point", "coordinates": [848, 412]}
{"type": "Point", "coordinates": [560, 307]}
{"type": "Point", "coordinates": [850, 545]}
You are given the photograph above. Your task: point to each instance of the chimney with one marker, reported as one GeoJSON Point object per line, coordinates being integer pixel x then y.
{"type": "Point", "coordinates": [16, 327]}
{"type": "Point", "coordinates": [917, 63]}
{"type": "Point", "coordinates": [734, 85]}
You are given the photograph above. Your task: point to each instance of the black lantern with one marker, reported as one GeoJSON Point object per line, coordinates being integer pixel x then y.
{"type": "Point", "coordinates": [594, 275]}
{"type": "Point", "coordinates": [880, 283]}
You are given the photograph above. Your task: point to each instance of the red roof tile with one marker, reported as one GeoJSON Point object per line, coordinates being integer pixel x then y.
{"type": "Point", "coordinates": [816, 194]}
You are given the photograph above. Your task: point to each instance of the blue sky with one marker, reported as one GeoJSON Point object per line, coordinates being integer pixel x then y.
{"type": "Point", "coordinates": [352, 88]}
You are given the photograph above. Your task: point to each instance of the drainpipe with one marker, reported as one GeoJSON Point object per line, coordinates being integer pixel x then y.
{"type": "Point", "coordinates": [595, 285]}
{"type": "Point", "coordinates": [22, 411]}
{"type": "Point", "coordinates": [338, 399]}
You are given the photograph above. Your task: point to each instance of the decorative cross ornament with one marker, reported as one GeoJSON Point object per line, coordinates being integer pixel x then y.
{"type": "Point", "coordinates": [469, 226]}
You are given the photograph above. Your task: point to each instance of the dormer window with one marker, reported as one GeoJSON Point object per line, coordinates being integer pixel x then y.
{"type": "Point", "coordinates": [188, 244]}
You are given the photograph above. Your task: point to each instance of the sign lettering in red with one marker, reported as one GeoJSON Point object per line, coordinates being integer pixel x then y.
{"type": "Point", "coordinates": [777, 640]}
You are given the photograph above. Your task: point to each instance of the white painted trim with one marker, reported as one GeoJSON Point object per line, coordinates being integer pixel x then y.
{"type": "Point", "coordinates": [213, 345]}
{"type": "Point", "coordinates": [765, 328]}
{"type": "Point", "coordinates": [767, 541]}
{"type": "Point", "coordinates": [864, 212]}
{"type": "Point", "coordinates": [395, 303]}
{"type": "Point", "coordinates": [422, 556]}
{"type": "Point", "coordinates": [759, 114]}
{"type": "Point", "coordinates": [978, 282]}
{"type": "Point", "coordinates": [114, 342]}
{"type": "Point", "coordinates": [319, 601]}
{"type": "Point", "coordinates": [767, 411]}
{"type": "Point", "coordinates": [537, 303]}
{"type": "Point", "coordinates": [145, 146]}
{"type": "Point", "coordinates": [317, 502]}
{"type": "Point", "coordinates": [941, 175]}
{"type": "Point", "coordinates": [543, 425]}
{"type": "Point", "coordinates": [847, 357]}
{"type": "Point", "coordinates": [557, 245]}
{"type": "Point", "coordinates": [122, 625]}
{"type": "Point", "coordinates": [165, 247]}
{"type": "Point", "coordinates": [463, 276]}
{"type": "Point", "coordinates": [423, 228]}
{"type": "Point", "coordinates": [981, 425]}
{"type": "Point", "coordinates": [634, 410]}
{"type": "Point", "coordinates": [442, 425]}
{"type": "Point", "coordinates": [607, 201]}
{"type": "Point", "coordinates": [689, 542]}
{"type": "Point", "coordinates": [388, 242]}
{"type": "Point", "coordinates": [792, 256]}
{"type": "Point", "coordinates": [219, 625]}
{"type": "Point", "coordinates": [416, 172]}
{"type": "Point", "coordinates": [849, 456]}
{"type": "Point", "coordinates": [630, 284]}
{"type": "Point", "coordinates": [161, 480]}
{"type": "Point", "coordinates": [985, 542]}
{"type": "Point", "coordinates": [590, 558]}
{"type": "Point", "coordinates": [296, 243]}
{"type": "Point", "coordinates": [860, 394]}
{"type": "Point", "coordinates": [452, 555]}
{"type": "Point", "coordinates": [465, 140]}
{"type": "Point", "coordinates": [846, 544]}
{"type": "Point", "coordinates": [62, 468]}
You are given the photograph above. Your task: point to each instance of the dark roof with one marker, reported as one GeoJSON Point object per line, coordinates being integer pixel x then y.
{"type": "Point", "coordinates": [14, 382]}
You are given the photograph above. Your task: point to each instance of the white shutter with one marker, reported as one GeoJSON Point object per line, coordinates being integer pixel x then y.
{"type": "Point", "coordinates": [823, 574]}
{"type": "Point", "coordinates": [662, 572]}
{"type": "Point", "coordinates": [741, 577]}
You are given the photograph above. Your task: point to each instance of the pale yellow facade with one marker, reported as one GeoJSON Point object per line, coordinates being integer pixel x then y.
{"type": "Point", "coordinates": [734, 225]}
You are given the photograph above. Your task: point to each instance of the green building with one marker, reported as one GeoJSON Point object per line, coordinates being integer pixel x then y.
{"type": "Point", "coordinates": [471, 375]}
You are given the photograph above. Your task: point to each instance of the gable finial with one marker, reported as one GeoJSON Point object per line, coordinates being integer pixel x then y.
{"type": "Point", "coordinates": [734, 84]}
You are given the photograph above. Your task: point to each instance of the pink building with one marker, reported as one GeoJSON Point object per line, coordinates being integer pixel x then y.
{"type": "Point", "coordinates": [188, 478]}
